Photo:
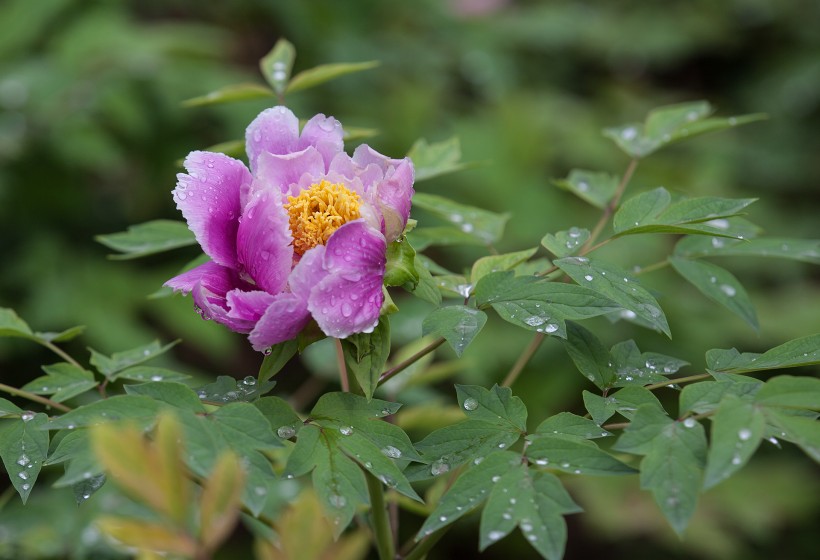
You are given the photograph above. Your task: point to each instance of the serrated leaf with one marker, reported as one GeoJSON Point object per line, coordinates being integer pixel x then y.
{"type": "Point", "coordinates": [63, 381]}
{"type": "Point", "coordinates": [377, 461]}
{"type": "Point", "coordinates": [283, 420]}
{"type": "Point", "coordinates": [597, 188]}
{"type": "Point", "coordinates": [174, 394]}
{"type": "Point", "coordinates": [737, 428]}
{"type": "Point", "coordinates": [497, 263]}
{"type": "Point", "coordinates": [438, 158]}
{"type": "Point", "coordinates": [719, 285]}
{"type": "Point", "coordinates": [704, 397]}
{"type": "Point", "coordinates": [227, 389]}
{"type": "Point", "coordinates": [23, 449]}
{"type": "Point", "coordinates": [539, 305]}
{"type": "Point", "coordinates": [647, 423]}
{"type": "Point", "coordinates": [801, 431]}
{"type": "Point", "coordinates": [618, 285]}
{"type": "Point", "coordinates": [496, 405]}
{"type": "Point", "coordinates": [278, 356]}
{"type": "Point", "coordinates": [625, 401]}
{"type": "Point", "coordinates": [400, 268]}
{"type": "Point", "coordinates": [149, 238]}
{"type": "Point", "coordinates": [366, 354]}
{"type": "Point", "coordinates": [110, 366]}
{"type": "Point", "coordinates": [82, 464]}
{"type": "Point", "coordinates": [803, 351]}
{"type": "Point", "coordinates": [454, 286]}
{"type": "Point", "coordinates": [276, 66]}
{"type": "Point", "coordinates": [151, 373]}
{"type": "Point", "coordinates": [790, 391]}
{"type": "Point", "coordinates": [326, 72]}
{"type": "Point", "coordinates": [589, 355]}
{"type": "Point", "coordinates": [572, 454]}
{"type": "Point", "coordinates": [482, 225]}
{"type": "Point", "coordinates": [565, 243]}
{"type": "Point", "coordinates": [139, 409]}
{"type": "Point", "coordinates": [230, 94]}
{"type": "Point", "coordinates": [570, 424]}
{"type": "Point", "coordinates": [458, 324]}
{"type": "Point", "coordinates": [805, 250]}
{"type": "Point", "coordinates": [219, 504]}
{"type": "Point", "coordinates": [633, 367]}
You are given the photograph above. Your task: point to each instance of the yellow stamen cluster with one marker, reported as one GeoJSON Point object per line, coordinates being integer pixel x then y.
{"type": "Point", "coordinates": [318, 211]}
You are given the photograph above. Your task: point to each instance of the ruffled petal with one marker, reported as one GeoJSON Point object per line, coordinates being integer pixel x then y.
{"type": "Point", "coordinates": [186, 281]}
{"type": "Point", "coordinates": [394, 198]}
{"type": "Point", "coordinates": [248, 306]}
{"type": "Point", "coordinates": [264, 242]}
{"type": "Point", "coordinates": [284, 171]}
{"type": "Point", "coordinates": [326, 135]}
{"type": "Point", "coordinates": [274, 131]}
{"type": "Point", "coordinates": [284, 318]}
{"type": "Point", "coordinates": [208, 197]}
{"type": "Point", "coordinates": [348, 300]}
{"type": "Point", "coordinates": [308, 272]}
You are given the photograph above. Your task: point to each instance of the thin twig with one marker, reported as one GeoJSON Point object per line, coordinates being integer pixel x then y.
{"type": "Point", "coordinates": [653, 267]}
{"type": "Point", "coordinates": [32, 397]}
{"type": "Point", "coordinates": [610, 208]}
{"type": "Point", "coordinates": [411, 360]}
{"type": "Point", "coordinates": [60, 352]}
{"type": "Point", "coordinates": [697, 377]}
{"type": "Point", "coordinates": [525, 357]}
{"type": "Point", "coordinates": [340, 359]}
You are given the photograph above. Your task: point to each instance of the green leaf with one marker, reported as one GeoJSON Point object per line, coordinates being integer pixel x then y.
{"type": "Point", "coordinates": [589, 355]}
{"type": "Point", "coordinates": [23, 449]}
{"type": "Point", "coordinates": [453, 286]}
{"type": "Point", "coordinates": [82, 466]}
{"type": "Point", "coordinates": [12, 325]}
{"type": "Point", "coordinates": [63, 381]}
{"type": "Point", "coordinates": [496, 263]}
{"type": "Point", "coordinates": [169, 392]}
{"type": "Point", "coordinates": [719, 285]}
{"type": "Point", "coordinates": [425, 237]}
{"type": "Point", "coordinates": [803, 432]}
{"type": "Point", "coordinates": [790, 391]}
{"type": "Point", "coordinates": [806, 250]}
{"type": "Point", "coordinates": [458, 324]}
{"type": "Point", "coordinates": [626, 402]}
{"type": "Point", "coordinates": [378, 462]}
{"type": "Point", "coordinates": [496, 405]}
{"type": "Point", "coordinates": [803, 351]}
{"type": "Point", "coordinates": [617, 285]}
{"type": "Point", "coordinates": [325, 73]}
{"type": "Point", "coordinates": [648, 422]}
{"type": "Point", "coordinates": [151, 373]}
{"type": "Point", "coordinates": [570, 424]}
{"type": "Point", "coordinates": [230, 94]}
{"type": "Point", "coordinates": [635, 368]}
{"type": "Point", "coordinates": [366, 354]}
{"type": "Point", "coordinates": [572, 454]}
{"type": "Point", "coordinates": [737, 428]}
{"type": "Point", "coordinates": [228, 389]}
{"type": "Point", "coordinates": [400, 268]}
{"type": "Point", "coordinates": [276, 358]}
{"type": "Point", "coordinates": [8, 408]}
{"type": "Point", "coordinates": [482, 225]}
{"type": "Point", "coordinates": [138, 409]}
{"type": "Point", "coordinates": [117, 362]}
{"type": "Point", "coordinates": [595, 188]}
{"type": "Point", "coordinates": [565, 243]}
{"type": "Point", "coordinates": [533, 501]}
{"type": "Point", "coordinates": [233, 148]}
{"type": "Point", "coordinates": [426, 288]}
{"type": "Point", "coordinates": [62, 336]}
{"type": "Point", "coordinates": [539, 305]}
{"type": "Point", "coordinates": [149, 238]}
{"type": "Point", "coordinates": [669, 124]}
{"type": "Point", "coordinates": [432, 160]}
{"type": "Point", "coordinates": [283, 420]}
{"type": "Point", "coordinates": [704, 397]}
{"type": "Point", "coordinates": [277, 65]}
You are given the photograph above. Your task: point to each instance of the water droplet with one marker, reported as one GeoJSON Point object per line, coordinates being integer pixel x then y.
{"type": "Point", "coordinates": [689, 422]}
{"type": "Point", "coordinates": [467, 228]}
{"type": "Point", "coordinates": [736, 460]}
{"type": "Point", "coordinates": [26, 416]}
{"type": "Point", "coordinates": [496, 478]}
{"type": "Point", "coordinates": [442, 518]}
{"type": "Point", "coordinates": [346, 430]}
{"type": "Point", "coordinates": [728, 290]}
{"type": "Point", "coordinates": [535, 321]}
{"type": "Point", "coordinates": [337, 501]}
{"type": "Point", "coordinates": [502, 445]}
{"type": "Point", "coordinates": [267, 351]}
{"type": "Point", "coordinates": [23, 460]}
{"type": "Point", "coordinates": [629, 133]}
{"type": "Point", "coordinates": [628, 314]}
{"type": "Point", "coordinates": [392, 452]}
{"type": "Point", "coordinates": [542, 462]}
{"type": "Point", "coordinates": [744, 434]}
{"type": "Point", "coordinates": [25, 487]}
{"type": "Point", "coordinates": [439, 467]}
{"type": "Point", "coordinates": [249, 380]}
{"type": "Point", "coordinates": [495, 535]}
{"type": "Point", "coordinates": [23, 475]}
{"type": "Point", "coordinates": [720, 223]}
{"type": "Point", "coordinates": [588, 277]}
{"type": "Point", "coordinates": [286, 432]}
{"type": "Point", "coordinates": [550, 328]}
{"type": "Point", "coordinates": [347, 310]}
{"type": "Point", "coordinates": [156, 378]}
{"type": "Point", "coordinates": [526, 527]}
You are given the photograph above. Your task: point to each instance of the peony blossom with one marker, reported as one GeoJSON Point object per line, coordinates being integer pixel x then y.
{"type": "Point", "coordinates": [300, 235]}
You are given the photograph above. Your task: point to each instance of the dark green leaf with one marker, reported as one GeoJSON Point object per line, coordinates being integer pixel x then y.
{"type": "Point", "coordinates": [278, 356]}
{"type": "Point", "coordinates": [400, 268]}
{"type": "Point", "coordinates": [798, 352]}
{"type": "Point", "coordinates": [136, 408]}
{"type": "Point", "coordinates": [150, 373]}
{"type": "Point", "coordinates": [801, 431]}
{"type": "Point", "coordinates": [635, 368]}
{"type": "Point", "coordinates": [326, 72]}
{"type": "Point", "coordinates": [277, 65]}
{"type": "Point", "coordinates": [648, 422]}
{"type": "Point", "coordinates": [227, 389]}
{"type": "Point", "coordinates": [149, 238]}
{"type": "Point", "coordinates": [572, 454]}
{"type": "Point", "coordinates": [570, 424]}
{"type": "Point", "coordinates": [565, 243]}
{"type": "Point", "coordinates": [86, 488]}
{"type": "Point", "coordinates": [589, 355]}
{"type": "Point", "coordinates": [496, 405]}
{"type": "Point", "coordinates": [229, 94]}
{"type": "Point", "coordinates": [12, 325]}
{"type": "Point", "coordinates": [790, 391]}
{"type": "Point", "coordinates": [62, 381]}
{"type": "Point", "coordinates": [426, 288]}
{"type": "Point", "coordinates": [110, 366]}
{"type": "Point", "coordinates": [458, 324]}
{"type": "Point", "coordinates": [366, 354]}
{"type": "Point", "coordinates": [704, 396]}
{"type": "Point", "coordinates": [82, 464]}
{"type": "Point", "coordinates": [595, 188]}
{"type": "Point", "coordinates": [168, 392]}
{"type": "Point", "coordinates": [283, 420]}
{"type": "Point", "coordinates": [23, 448]}
{"type": "Point", "coordinates": [478, 223]}
{"type": "Point", "coordinates": [378, 462]}
{"type": "Point", "coordinates": [625, 402]}
{"type": "Point", "coordinates": [8, 408]}
{"type": "Point", "coordinates": [806, 250]}
{"type": "Point", "coordinates": [432, 160]}
{"type": "Point", "coordinates": [737, 429]}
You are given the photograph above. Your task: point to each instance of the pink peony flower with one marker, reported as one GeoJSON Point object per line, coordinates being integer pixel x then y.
{"type": "Point", "coordinates": [300, 236]}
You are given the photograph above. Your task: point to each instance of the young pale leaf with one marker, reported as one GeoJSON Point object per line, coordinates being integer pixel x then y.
{"type": "Point", "coordinates": [140, 410]}
{"type": "Point", "coordinates": [704, 397]}
{"type": "Point", "coordinates": [565, 243]}
{"type": "Point", "coordinates": [63, 381]}
{"type": "Point", "coordinates": [496, 263]}
{"type": "Point", "coordinates": [148, 535]}
{"type": "Point", "coordinates": [469, 491]}
{"type": "Point", "coordinates": [366, 354]}
{"type": "Point", "coordinates": [589, 356]}
{"type": "Point", "coordinates": [803, 351]}
{"type": "Point", "coordinates": [227, 389]}
{"type": "Point", "coordinates": [570, 424]}
{"type": "Point", "coordinates": [538, 305]}
{"type": "Point", "coordinates": [277, 65]}
{"type": "Point", "coordinates": [432, 160]}
{"type": "Point", "coordinates": [110, 366]}
{"type": "Point", "coordinates": [532, 500]}
{"type": "Point", "coordinates": [172, 393]}
{"type": "Point", "coordinates": [23, 449]}
{"type": "Point", "coordinates": [147, 239]}
{"type": "Point", "coordinates": [229, 94]}
{"type": "Point", "coordinates": [617, 285]}
{"type": "Point", "coordinates": [791, 392]}
{"type": "Point", "coordinates": [400, 268]}
{"type": "Point", "coordinates": [719, 285]}
{"type": "Point", "coordinates": [737, 428]}
{"type": "Point", "coordinates": [806, 250]}
{"type": "Point", "coordinates": [458, 324]}
{"type": "Point", "coordinates": [219, 505]}
{"type": "Point", "coordinates": [280, 354]}
{"type": "Point", "coordinates": [426, 288]}
{"type": "Point", "coordinates": [595, 188]}
{"type": "Point", "coordinates": [481, 224]}
{"type": "Point", "coordinates": [801, 431]}
{"type": "Point", "coordinates": [326, 72]}
{"type": "Point", "coordinates": [573, 454]}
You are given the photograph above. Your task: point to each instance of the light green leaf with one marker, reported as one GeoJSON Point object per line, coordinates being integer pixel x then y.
{"type": "Point", "coordinates": [432, 160]}
{"type": "Point", "coordinates": [801, 431]}
{"type": "Point", "coordinates": [174, 394]}
{"type": "Point", "coordinates": [572, 454]}
{"type": "Point", "coordinates": [228, 389]}
{"type": "Point", "coordinates": [791, 392]}
{"type": "Point", "coordinates": [23, 448]}
{"type": "Point", "coordinates": [806, 250]}
{"type": "Point", "coordinates": [595, 188]}
{"type": "Point", "coordinates": [632, 367]}
{"type": "Point", "coordinates": [149, 238]}
{"type": "Point", "coordinates": [626, 402]}
{"type": "Point", "coordinates": [453, 286]}
{"type": "Point", "coordinates": [12, 325]}
{"type": "Point", "coordinates": [567, 423]}
{"type": "Point", "coordinates": [719, 285]}
{"type": "Point", "coordinates": [618, 285]}
{"type": "Point", "coordinates": [425, 237]}
{"type": "Point", "coordinates": [366, 354]}
{"type": "Point", "coordinates": [803, 351]}
{"type": "Point", "coordinates": [704, 397]}
{"type": "Point", "coordinates": [151, 373]}
{"type": "Point", "coordinates": [279, 355]}
{"type": "Point", "coordinates": [276, 66]}
{"type": "Point", "coordinates": [481, 224]}
{"type": "Point", "coordinates": [495, 263]}
{"type": "Point", "coordinates": [565, 243]}
{"type": "Point", "coordinates": [458, 324]}
{"type": "Point", "coordinates": [63, 381]}
{"type": "Point", "coordinates": [737, 428]}
{"type": "Point", "coordinates": [400, 268]}
{"type": "Point", "coordinates": [589, 356]}
{"type": "Point", "coordinates": [325, 73]}
{"type": "Point", "coordinates": [110, 366]}
{"type": "Point", "coordinates": [62, 336]}
{"type": "Point", "coordinates": [496, 405]}
{"type": "Point", "coordinates": [139, 409]}
{"type": "Point", "coordinates": [229, 94]}
{"type": "Point", "coordinates": [283, 420]}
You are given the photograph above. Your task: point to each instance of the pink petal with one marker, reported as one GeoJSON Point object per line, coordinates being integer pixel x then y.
{"type": "Point", "coordinates": [284, 318]}
{"type": "Point", "coordinates": [308, 272]}
{"type": "Point", "coordinates": [349, 299]}
{"type": "Point", "coordinates": [394, 198]}
{"type": "Point", "coordinates": [325, 134]}
{"type": "Point", "coordinates": [282, 171]}
{"type": "Point", "coordinates": [248, 306]}
{"type": "Point", "coordinates": [208, 197]}
{"type": "Point", "coordinates": [274, 130]}
{"type": "Point", "coordinates": [264, 242]}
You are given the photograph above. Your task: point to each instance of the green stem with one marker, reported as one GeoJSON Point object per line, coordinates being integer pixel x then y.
{"type": "Point", "coordinates": [697, 377]}
{"type": "Point", "coordinates": [653, 267]}
{"type": "Point", "coordinates": [610, 208]}
{"type": "Point", "coordinates": [381, 523]}
{"type": "Point", "coordinates": [60, 352]}
{"type": "Point", "coordinates": [340, 359]}
{"type": "Point", "coordinates": [525, 357]}
{"type": "Point", "coordinates": [411, 360]}
{"type": "Point", "coordinates": [32, 397]}
{"type": "Point", "coordinates": [423, 547]}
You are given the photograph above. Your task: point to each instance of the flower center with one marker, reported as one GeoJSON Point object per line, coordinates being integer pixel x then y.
{"type": "Point", "coordinates": [318, 211]}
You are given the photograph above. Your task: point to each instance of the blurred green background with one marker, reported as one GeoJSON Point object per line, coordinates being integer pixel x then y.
{"type": "Point", "coordinates": [91, 129]}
